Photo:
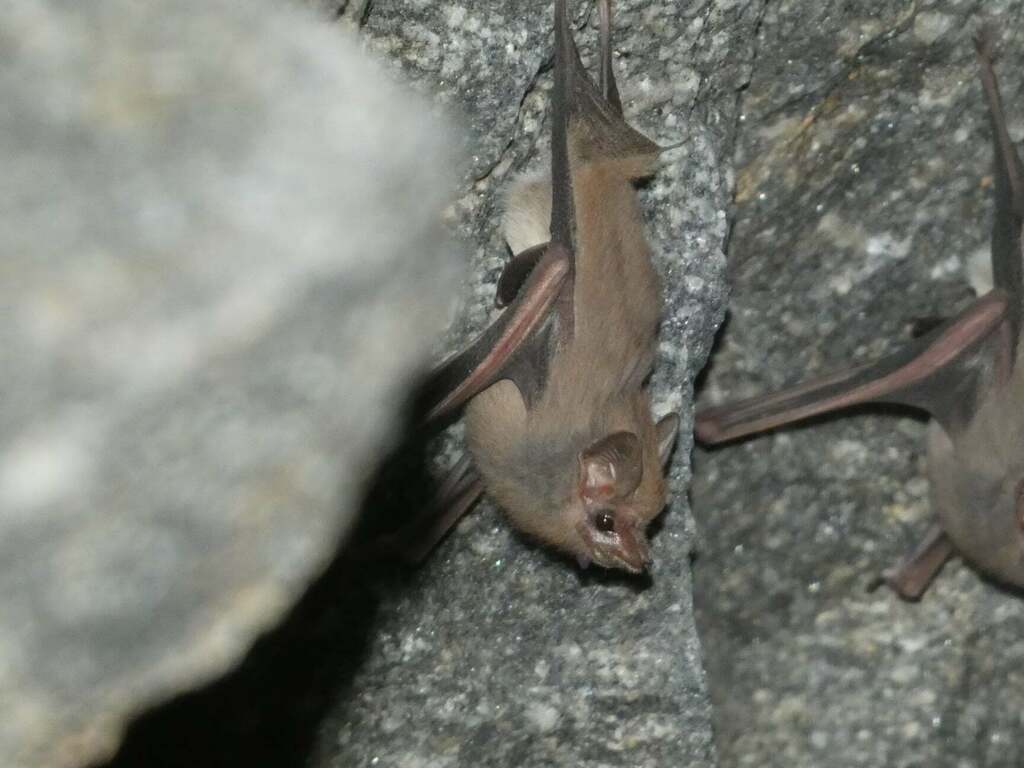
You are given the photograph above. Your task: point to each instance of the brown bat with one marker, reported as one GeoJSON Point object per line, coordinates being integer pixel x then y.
{"type": "Point", "coordinates": [558, 417]}
{"type": "Point", "coordinates": [968, 375]}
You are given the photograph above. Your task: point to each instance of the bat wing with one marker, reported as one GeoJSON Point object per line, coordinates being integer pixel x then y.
{"type": "Point", "coordinates": [519, 343]}
{"type": "Point", "coordinates": [456, 496]}
{"type": "Point", "coordinates": [1009, 194]}
{"type": "Point", "coordinates": [593, 115]}
{"type": "Point", "coordinates": [609, 89]}
{"type": "Point", "coordinates": [515, 274]}
{"type": "Point", "coordinates": [510, 348]}
{"type": "Point", "coordinates": [937, 373]}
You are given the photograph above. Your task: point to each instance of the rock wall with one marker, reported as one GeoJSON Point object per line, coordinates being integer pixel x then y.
{"type": "Point", "coordinates": [863, 200]}
{"type": "Point", "coordinates": [496, 653]}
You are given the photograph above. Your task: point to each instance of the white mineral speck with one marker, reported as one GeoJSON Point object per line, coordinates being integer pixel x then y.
{"type": "Point", "coordinates": [542, 716]}
{"type": "Point", "coordinates": [887, 245]}
{"type": "Point", "coordinates": [929, 27]}
{"type": "Point", "coordinates": [948, 266]}
{"type": "Point", "coordinates": [911, 730]}
{"type": "Point", "coordinates": [456, 15]}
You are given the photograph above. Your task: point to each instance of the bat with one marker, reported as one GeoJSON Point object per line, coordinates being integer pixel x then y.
{"type": "Point", "coordinates": [967, 374]}
{"type": "Point", "coordinates": [557, 413]}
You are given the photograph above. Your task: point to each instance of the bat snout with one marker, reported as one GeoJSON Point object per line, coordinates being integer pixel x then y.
{"type": "Point", "coordinates": [624, 549]}
{"type": "Point", "coordinates": [634, 552]}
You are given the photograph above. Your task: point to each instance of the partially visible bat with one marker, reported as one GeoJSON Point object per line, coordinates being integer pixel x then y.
{"type": "Point", "coordinates": [558, 417]}
{"type": "Point", "coordinates": [968, 374]}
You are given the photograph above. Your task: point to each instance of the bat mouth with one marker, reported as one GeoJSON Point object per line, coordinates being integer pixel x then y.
{"type": "Point", "coordinates": [624, 550]}
{"type": "Point", "coordinates": [617, 562]}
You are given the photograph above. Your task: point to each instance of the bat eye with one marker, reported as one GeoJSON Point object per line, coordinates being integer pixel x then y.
{"type": "Point", "coordinates": [605, 522]}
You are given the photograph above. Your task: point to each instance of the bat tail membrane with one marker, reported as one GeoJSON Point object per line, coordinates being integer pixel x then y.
{"type": "Point", "coordinates": [936, 373]}
{"type": "Point", "coordinates": [1009, 191]}
{"type": "Point", "coordinates": [596, 127]}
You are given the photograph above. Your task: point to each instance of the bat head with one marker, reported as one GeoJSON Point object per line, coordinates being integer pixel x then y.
{"type": "Point", "coordinates": [620, 490]}
{"type": "Point", "coordinates": [589, 488]}
{"type": "Point", "coordinates": [611, 513]}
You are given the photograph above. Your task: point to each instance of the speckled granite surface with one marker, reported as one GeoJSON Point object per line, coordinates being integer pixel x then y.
{"type": "Point", "coordinates": [497, 653]}
{"type": "Point", "coordinates": [863, 197]}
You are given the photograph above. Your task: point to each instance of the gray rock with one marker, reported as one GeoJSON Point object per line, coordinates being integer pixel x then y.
{"type": "Point", "coordinates": [496, 653]}
{"type": "Point", "coordinates": [222, 263]}
{"type": "Point", "coordinates": [863, 199]}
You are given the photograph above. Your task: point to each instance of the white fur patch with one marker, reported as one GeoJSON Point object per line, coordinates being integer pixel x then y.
{"type": "Point", "coordinates": [527, 218]}
{"type": "Point", "coordinates": [979, 271]}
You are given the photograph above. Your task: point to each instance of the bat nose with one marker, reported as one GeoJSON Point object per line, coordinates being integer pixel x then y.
{"type": "Point", "coordinates": [633, 549]}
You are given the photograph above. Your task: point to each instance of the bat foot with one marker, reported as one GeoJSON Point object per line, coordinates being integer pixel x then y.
{"type": "Point", "coordinates": [911, 578]}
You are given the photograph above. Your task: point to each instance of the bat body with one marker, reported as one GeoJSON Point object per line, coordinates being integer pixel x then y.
{"type": "Point", "coordinates": [529, 457]}
{"type": "Point", "coordinates": [968, 375]}
{"type": "Point", "coordinates": [976, 482]}
{"type": "Point", "coordinates": [558, 418]}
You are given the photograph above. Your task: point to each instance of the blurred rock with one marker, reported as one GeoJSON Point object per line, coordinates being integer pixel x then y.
{"type": "Point", "coordinates": [496, 653]}
{"type": "Point", "coordinates": [223, 260]}
{"type": "Point", "coordinates": [863, 197]}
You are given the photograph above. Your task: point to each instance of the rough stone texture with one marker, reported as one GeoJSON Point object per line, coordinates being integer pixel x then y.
{"type": "Point", "coordinates": [863, 191]}
{"type": "Point", "coordinates": [222, 258]}
{"type": "Point", "coordinates": [496, 653]}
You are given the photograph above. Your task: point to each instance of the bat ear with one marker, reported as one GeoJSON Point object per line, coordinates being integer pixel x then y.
{"type": "Point", "coordinates": [666, 430]}
{"type": "Point", "coordinates": [612, 467]}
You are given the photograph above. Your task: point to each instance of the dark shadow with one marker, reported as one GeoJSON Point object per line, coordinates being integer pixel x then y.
{"type": "Point", "coordinates": [268, 710]}
{"type": "Point", "coordinates": [635, 582]}
{"type": "Point", "coordinates": [702, 377]}
{"type": "Point", "coordinates": [592, 574]}
{"type": "Point", "coordinates": [1010, 590]}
